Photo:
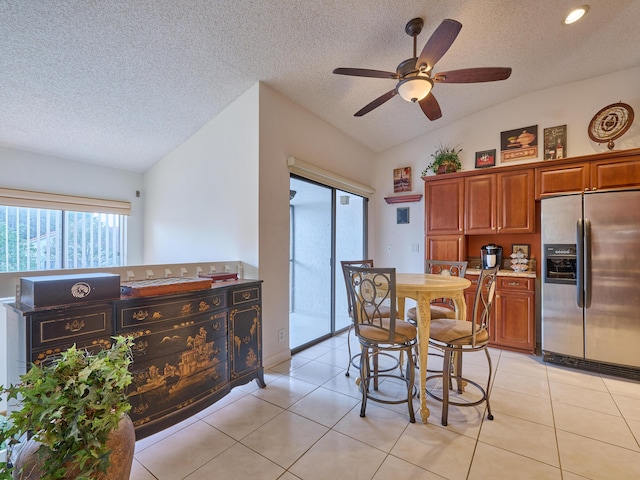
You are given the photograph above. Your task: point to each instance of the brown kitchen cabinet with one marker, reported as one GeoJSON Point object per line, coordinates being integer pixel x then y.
{"type": "Point", "coordinates": [512, 324]}
{"type": "Point", "coordinates": [595, 173]}
{"type": "Point", "coordinates": [444, 204]}
{"type": "Point", "coordinates": [446, 247]}
{"type": "Point", "coordinates": [514, 319]}
{"type": "Point", "coordinates": [501, 203]}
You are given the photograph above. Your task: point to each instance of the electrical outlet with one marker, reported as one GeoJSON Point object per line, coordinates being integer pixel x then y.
{"type": "Point", "coordinates": [281, 335]}
{"type": "Point", "coordinates": [389, 248]}
{"type": "Point", "coordinates": [415, 247]}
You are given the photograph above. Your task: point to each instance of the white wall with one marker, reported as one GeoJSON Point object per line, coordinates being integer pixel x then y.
{"type": "Point", "coordinates": [573, 105]}
{"type": "Point", "coordinates": [201, 200]}
{"type": "Point", "coordinates": [32, 171]}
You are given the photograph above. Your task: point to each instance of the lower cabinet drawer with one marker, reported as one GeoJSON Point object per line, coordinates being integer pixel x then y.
{"type": "Point", "coordinates": [515, 283]}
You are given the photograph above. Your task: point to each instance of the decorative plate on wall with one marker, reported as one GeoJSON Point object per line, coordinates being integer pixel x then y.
{"type": "Point", "coordinates": [610, 123]}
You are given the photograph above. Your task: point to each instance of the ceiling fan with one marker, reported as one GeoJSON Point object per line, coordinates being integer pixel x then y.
{"type": "Point", "coordinates": [414, 75]}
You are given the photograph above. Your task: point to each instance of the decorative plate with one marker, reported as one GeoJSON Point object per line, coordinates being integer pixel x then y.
{"type": "Point", "coordinates": [610, 123]}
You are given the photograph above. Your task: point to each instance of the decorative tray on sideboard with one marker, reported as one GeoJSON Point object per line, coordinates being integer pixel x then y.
{"type": "Point", "coordinates": [163, 286]}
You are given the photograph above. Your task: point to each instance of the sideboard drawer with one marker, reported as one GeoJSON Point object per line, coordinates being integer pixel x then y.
{"type": "Point", "coordinates": [238, 297]}
{"type": "Point", "coordinates": [41, 356]}
{"type": "Point", "coordinates": [70, 325]}
{"type": "Point", "coordinates": [143, 312]}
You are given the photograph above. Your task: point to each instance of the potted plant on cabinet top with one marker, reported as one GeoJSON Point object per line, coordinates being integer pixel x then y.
{"type": "Point", "coordinates": [74, 408]}
{"type": "Point", "coordinates": [445, 160]}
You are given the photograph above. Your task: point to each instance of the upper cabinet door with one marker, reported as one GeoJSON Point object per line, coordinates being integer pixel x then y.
{"type": "Point", "coordinates": [566, 179]}
{"type": "Point", "coordinates": [606, 174]}
{"type": "Point", "coordinates": [516, 213]}
{"type": "Point", "coordinates": [480, 205]}
{"type": "Point", "coordinates": [500, 203]}
{"type": "Point", "coordinates": [615, 175]}
{"type": "Point", "coordinates": [443, 207]}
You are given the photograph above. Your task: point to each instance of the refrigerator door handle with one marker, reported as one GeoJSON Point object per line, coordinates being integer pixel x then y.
{"type": "Point", "coordinates": [587, 263]}
{"type": "Point", "coordinates": [579, 263]}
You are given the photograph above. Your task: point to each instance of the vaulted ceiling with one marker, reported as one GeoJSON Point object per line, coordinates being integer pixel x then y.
{"type": "Point", "coordinates": [122, 83]}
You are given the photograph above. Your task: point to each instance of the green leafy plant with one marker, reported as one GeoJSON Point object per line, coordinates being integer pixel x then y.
{"type": "Point", "coordinates": [4, 424]}
{"type": "Point", "coordinates": [445, 160]}
{"type": "Point", "coordinates": [70, 406]}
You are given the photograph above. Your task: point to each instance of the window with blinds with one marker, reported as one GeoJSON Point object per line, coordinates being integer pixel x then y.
{"type": "Point", "coordinates": [48, 232]}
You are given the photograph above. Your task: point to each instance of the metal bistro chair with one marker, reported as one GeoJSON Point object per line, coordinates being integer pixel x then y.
{"type": "Point", "coordinates": [370, 289]}
{"type": "Point", "coordinates": [440, 307]}
{"type": "Point", "coordinates": [354, 360]}
{"type": "Point", "coordinates": [456, 337]}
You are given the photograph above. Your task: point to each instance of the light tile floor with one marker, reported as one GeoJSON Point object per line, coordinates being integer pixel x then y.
{"type": "Point", "coordinates": [550, 423]}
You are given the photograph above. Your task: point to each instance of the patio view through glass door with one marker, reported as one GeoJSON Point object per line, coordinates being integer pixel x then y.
{"type": "Point", "coordinates": [327, 225]}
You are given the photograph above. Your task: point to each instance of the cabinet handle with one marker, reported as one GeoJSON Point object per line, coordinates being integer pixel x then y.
{"type": "Point", "coordinates": [594, 189]}
{"type": "Point", "coordinates": [586, 189]}
{"type": "Point", "coordinates": [74, 326]}
{"type": "Point", "coordinates": [140, 315]}
{"type": "Point", "coordinates": [499, 228]}
{"type": "Point", "coordinates": [216, 301]}
{"type": "Point", "coordinates": [246, 295]}
{"type": "Point", "coordinates": [514, 284]}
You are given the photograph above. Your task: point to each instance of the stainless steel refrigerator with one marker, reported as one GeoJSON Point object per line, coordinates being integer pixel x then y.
{"type": "Point", "coordinates": [591, 280]}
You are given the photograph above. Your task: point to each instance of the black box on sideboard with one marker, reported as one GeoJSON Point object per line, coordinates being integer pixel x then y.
{"type": "Point", "coordinates": [53, 290]}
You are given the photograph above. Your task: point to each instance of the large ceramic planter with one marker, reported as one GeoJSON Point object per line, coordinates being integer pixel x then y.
{"type": "Point", "coordinates": [121, 442]}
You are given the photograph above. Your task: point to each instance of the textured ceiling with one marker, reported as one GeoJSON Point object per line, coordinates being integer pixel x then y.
{"type": "Point", "coordinates": [123, 82]}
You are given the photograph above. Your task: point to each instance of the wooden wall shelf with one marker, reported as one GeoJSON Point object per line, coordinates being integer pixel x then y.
{"type": "Point", "coordinates": [403, 199]}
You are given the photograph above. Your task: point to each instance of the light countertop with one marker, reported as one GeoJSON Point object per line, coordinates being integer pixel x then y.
{"type": "Point", "coordinates": [505, 272]}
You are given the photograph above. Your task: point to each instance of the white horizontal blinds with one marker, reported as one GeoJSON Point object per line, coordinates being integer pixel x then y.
{"type": "Point", "coordinates": [328, 178]}
{"type": "Point", "coordinates": [53, 201]}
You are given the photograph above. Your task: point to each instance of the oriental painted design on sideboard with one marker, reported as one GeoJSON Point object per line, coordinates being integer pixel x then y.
{"type": "Point", "coordinates": [190, 363]}
{"type": "Point", "coordinates": [245, 332]}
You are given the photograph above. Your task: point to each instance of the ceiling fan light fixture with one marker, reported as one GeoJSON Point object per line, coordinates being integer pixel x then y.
{"type": "Point", "coordinates": [575, 14]}
{"type": "Point", "coordinates": [414, 89]}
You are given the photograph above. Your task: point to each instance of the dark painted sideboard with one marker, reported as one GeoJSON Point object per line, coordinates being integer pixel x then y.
{"type": "Point", "coordinates": [190, 349]}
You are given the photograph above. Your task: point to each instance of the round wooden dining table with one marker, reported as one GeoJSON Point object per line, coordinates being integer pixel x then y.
{"type": "Point", "coordinates": [423, 288]}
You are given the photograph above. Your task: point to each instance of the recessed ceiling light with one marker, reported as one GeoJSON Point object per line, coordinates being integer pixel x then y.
{"type": "Point", "coordinates": [575, 14]}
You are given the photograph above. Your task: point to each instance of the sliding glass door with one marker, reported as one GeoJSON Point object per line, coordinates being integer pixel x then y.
{"type": "Point", "coordinates": [327, 225]}
{"type": "Point", "coordinates": [349, 245]}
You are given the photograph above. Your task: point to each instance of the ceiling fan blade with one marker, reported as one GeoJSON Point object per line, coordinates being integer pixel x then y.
{"type": "Point", "coordinates": [439, 42]}
{"type": "Point", "coordinates": [365, 72]}
{"type": "Point", "coordinates": [473, 75]}
{"type": "Point", "coordinates": [376, 103]}
{"type": "Point", "coordinates": [430, 107]}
